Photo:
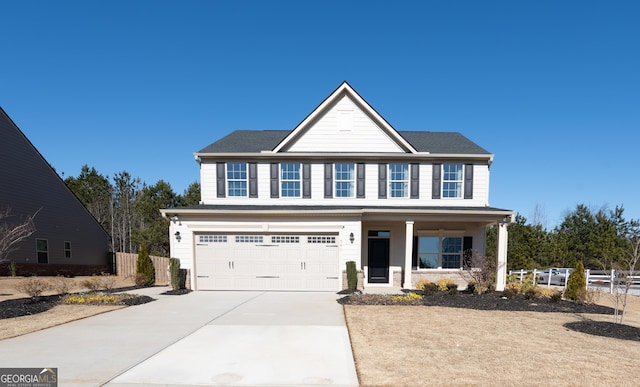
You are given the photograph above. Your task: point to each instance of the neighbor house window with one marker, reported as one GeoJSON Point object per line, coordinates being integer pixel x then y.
{"type": "Point", "coordinates": [237, 179]}
{"type": "Point", "coordinates": [439, 252]}
{"type": "Point", "coordinates": [42, 250]}
{"type": "Point", "coordinates": [452, 180]}
{"type": "Point", "coordinates": [399, 180]}
{"type": "Point", "coordinates": [290, 180]}
{"type": "Point", "coordinates": [67, 249]}
{"type": "Point", "coordinates": [345, 180]}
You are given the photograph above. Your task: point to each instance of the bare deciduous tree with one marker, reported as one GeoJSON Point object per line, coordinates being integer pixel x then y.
{"type": "Point", "coordinates": [624, 282]}
{"type": "Point", "coordinates": [481, 273]}
{"type": "Point", "coordinates": [13, 233]}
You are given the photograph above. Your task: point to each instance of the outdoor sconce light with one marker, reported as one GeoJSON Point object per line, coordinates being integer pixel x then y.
{"type": "Point", "coordinates": [178, 237]}
{"type": "Point", "coordinates": [351, 237]}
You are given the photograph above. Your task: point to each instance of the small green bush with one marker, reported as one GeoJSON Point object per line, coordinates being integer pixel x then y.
{"type": "Point", "coordinates": [144, 267]}
{"type": "Point", "coordinates": [528, 282]}
{"type": "Point", "coordinates": [13, 269]}
{"type": "Point", "coordinates": [174, 271]}
{"type": "Point", "coordinates": [443, 284]}
{"type": "Point", "coordinates": [33, 286]}
{"type": "Point", "coordinates": [352, 276]}
{"type": "Point", "coordinates": [512, 289]}
{"type": "Point", "coordinates": [576, 289]}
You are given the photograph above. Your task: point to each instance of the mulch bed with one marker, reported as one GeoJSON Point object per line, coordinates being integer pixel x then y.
{"type": "Point", "coordinates": [177, 292]}
{"type": "Point", "coordinates": [30, 306]}
{"type": "Point", "coordinates": [518, 303]}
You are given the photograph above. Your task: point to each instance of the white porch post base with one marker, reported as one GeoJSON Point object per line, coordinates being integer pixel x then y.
{"type": "Point", "coordinates": [408, 253]}
{"type": "Point", "coordinates": [501, 266]}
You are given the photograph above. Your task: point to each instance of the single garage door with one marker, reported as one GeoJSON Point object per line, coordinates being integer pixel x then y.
{"type": "Point", "coordinates": [266, 262]}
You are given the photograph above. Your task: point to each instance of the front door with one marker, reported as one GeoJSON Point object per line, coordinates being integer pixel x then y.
{"type": "Point", "coordinates": [379, 260]}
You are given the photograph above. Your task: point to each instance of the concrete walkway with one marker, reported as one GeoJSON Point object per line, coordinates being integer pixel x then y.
{"type": "Point", "coordinates": [203, 338]}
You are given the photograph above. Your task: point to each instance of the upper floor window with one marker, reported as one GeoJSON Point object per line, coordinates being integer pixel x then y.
{"type": "Point", "coordinates": [290, 180]}
{"type": "Point", "coordinates": [452, 180]}
{"type": "Point", "coordinates": [345, 180]}
{"type": "Point", "coordinates": [399, 180]}
{"type": "Point", "coordinates": [237, 179]}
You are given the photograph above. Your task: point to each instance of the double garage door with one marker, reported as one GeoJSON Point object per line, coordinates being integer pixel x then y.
{"type": "Point", "coordinates": [266, 262]}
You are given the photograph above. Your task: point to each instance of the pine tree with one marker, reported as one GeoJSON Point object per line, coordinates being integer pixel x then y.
{"type": "Point", "coordinates": [577, 284]}
{"type": "Point", "coordinates": [145, 272]}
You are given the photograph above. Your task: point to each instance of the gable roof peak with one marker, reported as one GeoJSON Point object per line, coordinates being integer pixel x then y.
{"type": "Point", "coordinates": [344, 90]}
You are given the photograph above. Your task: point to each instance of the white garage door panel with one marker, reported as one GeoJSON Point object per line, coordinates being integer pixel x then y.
{"type": "Point", "coordinates": [282, 263]}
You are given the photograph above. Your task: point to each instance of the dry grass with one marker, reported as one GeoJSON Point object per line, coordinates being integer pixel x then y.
{"type": "Point", "coordinates": [57, 315]}
{"type": "Point", "coordinates": [414, 346]}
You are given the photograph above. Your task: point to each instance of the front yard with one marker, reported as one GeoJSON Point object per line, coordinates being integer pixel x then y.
{"type": "Point", "coordinates": [397, 345]}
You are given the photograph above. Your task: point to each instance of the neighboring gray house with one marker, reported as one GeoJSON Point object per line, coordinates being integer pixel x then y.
{"type": "Point", "coordinates": [285, 210]}
{"type": "Point", "coordinates": [68, 240]}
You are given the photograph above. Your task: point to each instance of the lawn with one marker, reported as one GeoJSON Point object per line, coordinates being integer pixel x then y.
{"type": "Point", "coordinates": [446, 346]}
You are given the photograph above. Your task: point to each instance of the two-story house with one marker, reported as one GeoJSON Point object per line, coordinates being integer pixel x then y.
{"type": "Point", "coordinates": [285, 210]}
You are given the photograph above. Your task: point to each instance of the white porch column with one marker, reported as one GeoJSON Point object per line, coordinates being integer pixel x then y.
{"type": "Point", "coordinates": [501, 267]}
{"type": "Point", "coordinates": [408, 253]}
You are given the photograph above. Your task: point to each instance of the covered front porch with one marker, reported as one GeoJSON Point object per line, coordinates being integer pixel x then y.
{"type": "Point", "coordinates": [398, 250]}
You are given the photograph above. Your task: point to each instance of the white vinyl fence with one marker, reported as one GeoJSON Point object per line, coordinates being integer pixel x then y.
{"type": "Point", "coordinates": [601, 279]}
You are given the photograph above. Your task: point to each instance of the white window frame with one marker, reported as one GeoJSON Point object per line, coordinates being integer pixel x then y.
{"type": "Point", "coordinates": [441, 237]}
{"type": "Point", "coordinates": [449, 178]}
{"type": "Point", "coordinates": [287, 177]}
{"type": "Point", "coordinates": [236, 176]}
{"type": "Point", "coordinates": [341, 180]}
{"type": "Point", "coordinates": [395, 181]}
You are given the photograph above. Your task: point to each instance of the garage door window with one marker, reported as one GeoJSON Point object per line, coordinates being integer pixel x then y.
{"type": "Point", "coordinates": [249, 238]}
{"type": "Point", "coordinates": [285, 239]}
{"type": "Point", "coordinates": [321, 239]}
{"type": "Point", "coordinates": [212, 239]}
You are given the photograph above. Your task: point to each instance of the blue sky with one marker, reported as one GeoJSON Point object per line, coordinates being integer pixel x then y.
{"type": "Point", "coordinates": [552, 88]}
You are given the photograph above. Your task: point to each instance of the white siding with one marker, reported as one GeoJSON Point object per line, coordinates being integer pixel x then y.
{"type": "Point", "coordinates": [345, 128]}
{"type": "Point", "coordinates": [480, 189]}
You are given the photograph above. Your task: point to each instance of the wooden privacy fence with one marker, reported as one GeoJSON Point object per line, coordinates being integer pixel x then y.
{"type": "Point", "coordinates": [126, 266]}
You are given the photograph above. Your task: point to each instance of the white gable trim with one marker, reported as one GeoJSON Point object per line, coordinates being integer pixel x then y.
{"type": "Point", "coordinates": [341, 91]}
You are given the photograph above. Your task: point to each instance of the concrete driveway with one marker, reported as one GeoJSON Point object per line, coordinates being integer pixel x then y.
{"type": "Point", "coordinates": [203, 338]}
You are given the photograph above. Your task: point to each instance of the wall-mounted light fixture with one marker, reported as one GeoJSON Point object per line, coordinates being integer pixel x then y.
{"type": "Point", "coordinates": [174, 218]}
{"type": "Point", "coordinates": [177, 235]}
{"type": "Point", "coordinates": [352, 238]}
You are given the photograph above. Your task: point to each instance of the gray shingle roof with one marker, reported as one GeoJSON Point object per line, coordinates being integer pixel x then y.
{"type": "Point", "coordinates": [250, 141]}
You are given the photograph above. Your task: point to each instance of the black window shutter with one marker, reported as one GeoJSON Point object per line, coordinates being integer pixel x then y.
{"type": "Point", "coordinates": [414, 253]}
{"type": "Point", "coordinates": [468, 181]}
{"type": "Point", "coordinates": [328, 180]}
{"type": "Point", "coordinates": [382, 181]}
{"type": "Point", "coordinates": [253, 180]}
{"type": "Point", "coordinates": [360, 180]}
{"type": "Point", "coordinates": [220, 180]}
{"type": "Point", "coordinates": [415, 181]}
{"type": "Point", "coordinates": [467, 251]}
{"type": "Point", "coordinates": [274, 181]}
{"type": "Point", "coordinates": [435, 182]}
{"type": "Point", "coordinates": [306, 181]}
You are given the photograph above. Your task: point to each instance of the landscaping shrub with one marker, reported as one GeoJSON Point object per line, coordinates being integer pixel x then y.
{"type": "Point", "coordinates": [174, 271]}
{"type": "Point", "coordinates": [407, 297]}
{"type": "Point", "coordinates": [512, 289]}
{"type": "Point", "coordinates": [443, 284]}
{"type": "Point", "coordinates": [13, 269]}
{"type": "Point", "coordinates": [33, 286]}
{"type": "Point", "coordinates": [92, 284]}
{"type": "Point", "coordinates": [533, 293]}
{"type": "Point", "coordinates": [352, 276]}
{"type": "Point", "coordinates": [576, 289]}
{"type": "Point", "coordinates": [61, 285]}
{"type": "Point", "coordinates": [528, 282]}
{"type": "Point", "coordinates": [556, 296]}
{"type": "Point", "coordinates": [145, 272]}
{"type": "Point", "coordinates": [452, 289]}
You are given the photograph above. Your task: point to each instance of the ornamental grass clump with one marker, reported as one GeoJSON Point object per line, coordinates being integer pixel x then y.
{"type": "Point", "coordinates": [444, 284]}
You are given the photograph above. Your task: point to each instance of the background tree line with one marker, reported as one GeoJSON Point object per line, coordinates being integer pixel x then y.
{"type": "Point", "coordinates": [599, 239]}
{"type": "Point", "coordinates": [128, 209]}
